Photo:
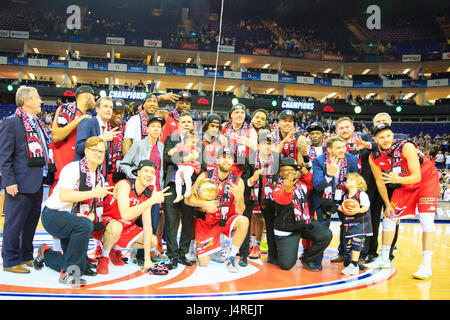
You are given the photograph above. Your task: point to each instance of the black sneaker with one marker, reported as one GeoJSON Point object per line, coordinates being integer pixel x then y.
{"type": "Point", "coordinates": [71, 280]}
{"type": "Point", "coordinates": [38, 262]}
{"type": "Point", "coordinates": [311, 266]}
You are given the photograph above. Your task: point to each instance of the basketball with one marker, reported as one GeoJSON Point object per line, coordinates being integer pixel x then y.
{"type": "Point", "coordinates": [207, 189]}
{"type": "Point", "coordinates": [349, 204]}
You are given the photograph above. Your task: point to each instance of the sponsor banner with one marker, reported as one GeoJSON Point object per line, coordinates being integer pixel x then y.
{"type": "Point", "coordinates": [153, 43]}
{"type": "Point", "coordinates": [195, 72]}
{"type": "Point", "coordinates": [414, 83]}
{"type": "Point", "coordinates": [269, 77]}
{"type": "Point", "coordinates": [210, 74]}
{"type": "Point", "coordinates": [437, 83]}
{"type": "Point", "coordinates": [373, 58]}
{"type": "Point", "coordinates": [77, 38]}
{"type": "Point", "coordinates": [141, 69]}
{"type": "Point", "coordinates": [410, 57]}
{"type": "Point", "coordinates": [19, 34]}
{"type": "Point", "coordinates": [203, 101]}
{"type": "Point", "coordinates": [176, 71]}
{"type": "Point", "coordinates": [289, 79]}
{"type": "Point", "coordinates": [313, 56]}
{"type": "Point", "coordinates": [37, 62]}
{"type": "Point", "coordinates": [3, 60]}
{"type": "Point", "coordinates": [127, 95]}
{"type": "Point", "coordinates": [117, 67]}
{"type": "Point", "coordinates": [78, 65]}
{"type": "Point", "coordinates": [97, 66]}
{"type": "Point", "coordinates": [57, 64]}
{"type": "Point", "coordinates": [392, 83]}
{"type": "Point", "coordinates": [293, 54]}
{"type": "Point", "coordinates": [115, 41]}
{"type": "Point", "coordinates": [189, 46]}
{"type": "Point", "coordinates": [322, 81]}
{"type": "Point", "coordinates": [229, 49]}
{"type": "Point", "coordinates": [342, 83]}
{"type": "Point", "coordinates": [430, 56]}
{"type": "Point", "coordinates": [332, 57]}
{"type": "Point", "coordinates": [305, 80]}
{"type": "Point", "coordinates": [354, 58]}
{"type": "Point", "coordinates": [156, 69]}
{"type": "Point", "coordinates": [261, 51]}
{"type": "Point", "coordinates": [280, 53]}
{"type": "Point", "coordinates": [4, 33]}
{"type": "Point", "coordinates": [232, 74]}
{"type": "Point", "coordinates": [299, 105]}
{"type": "Point", "coordinates": [445, 55]}
{"type": "Point", "coordinates": [390, 58]}
{"type": "Point", "coordinates": [18, 61]}
{"type": "Point", "coordinates": [251, 76]}
{"type": "Point", "coordinates": [368, 84]}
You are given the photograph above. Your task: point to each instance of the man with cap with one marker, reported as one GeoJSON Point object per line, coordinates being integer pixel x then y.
{"type": "Point", "coordinates": [151, 148]}
{"type": "Point", "coordinates": [65, 124]}
{"type": "Point", "coordinates": [288, 138]}
{"type": "Point", "coordinates": [292, 220]}
{"type": "Point", "coordinates": [416, 182]}
{"type": "Point", "coordinates": [116, 154]}
{"type": "Point", "coordinates": [131, 199]}
{"type": "Point", "coordinates": [211, 130]}
{"type": "Point", "coordinates": [183, 104]}
{"type": "Point", "coordinates": [236, 135]}
{"type": "Point", "coordinates": [259, 177]}
{"type": "Point", "coordinates": [310, 151]}
{"type": "Point", "coordinates": [137, 124]}
{"type": "Point", "coordinates": [223, 215]}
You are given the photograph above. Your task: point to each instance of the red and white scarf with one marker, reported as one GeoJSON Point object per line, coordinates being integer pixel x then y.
{"type": "Point", "coordinates": [340, 184]}
{"type": "Point", "coordinates": [267, 178]}
{"type": "Point", "coordinates": [300, 202]}
{"type": "Point", "coordinates": [143, 117]}
{"type": "Point", "coordinates": [86, 184]}
{"type": "Point", "coordinates": [39, 155]}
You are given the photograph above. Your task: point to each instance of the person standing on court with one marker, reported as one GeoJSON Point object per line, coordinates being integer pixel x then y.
{"type": "Point", "coordinates": [26, 163]}
{"type": "Point", "coordinates": [98, 126]}
{"type": "Point", "coordinates": [65, 124]}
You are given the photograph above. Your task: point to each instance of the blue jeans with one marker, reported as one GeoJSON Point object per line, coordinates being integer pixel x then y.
{"type": "Point", "coordinates": [74, 233]}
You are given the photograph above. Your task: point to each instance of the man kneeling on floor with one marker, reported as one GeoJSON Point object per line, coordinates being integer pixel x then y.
{"type": "Point", "coordinates": [223, 215]}
{"type": "Point", "coordinates": [131, 199]}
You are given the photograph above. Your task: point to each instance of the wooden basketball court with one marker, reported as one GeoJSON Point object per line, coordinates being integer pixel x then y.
{"type": "Point", "coordinates": [258, 281]}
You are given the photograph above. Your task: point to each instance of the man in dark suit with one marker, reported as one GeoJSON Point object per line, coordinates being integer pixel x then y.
{"type": "Point", "coordinates": [96, 126]}
{"type": "Point", "coordinates": [26, 164]}
{"type": "Point", "coordinates": [330, 170]}
{"type": "Point", "coordinates": [176, 252]}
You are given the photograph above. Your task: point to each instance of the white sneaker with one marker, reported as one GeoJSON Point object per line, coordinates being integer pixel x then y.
{"type": "Point", "coordinates": [178, 199]}
{"type": "Point", "coordinates": [217, 257]}
{"type": "Point", "coordinates": [423, 273]}
{"type": "Point", "coordinates": [378, 263]}
{"type": "Point", "coordinates": [351, 270]}
{"type": "Point", "coordinates": [191, 256]}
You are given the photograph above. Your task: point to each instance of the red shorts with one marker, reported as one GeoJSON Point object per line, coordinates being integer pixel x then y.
{"type": "Point", "coordinates": [129, 235]}
{"type": "Point", "coordinates": [257, 209]}
{"type": "Point", "coordinates": [425, 198]}
{"type": "Point", "coordinates": [207, 234]}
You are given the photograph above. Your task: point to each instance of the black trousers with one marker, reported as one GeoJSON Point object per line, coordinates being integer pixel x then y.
{"type": "Point", "coordinates": [269, 213]}
{"type": "Point", "coordinates": [245, 246]}
{"type": "Point", "coordinates": [376, 207]}
{"type": "Point", "coordinates": [172, 212]}
{"type": "Point", "coordinates": [287, 246]}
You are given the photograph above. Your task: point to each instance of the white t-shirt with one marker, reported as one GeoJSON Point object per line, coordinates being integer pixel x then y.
{"type": "Point", "coordinates": [440, 158]}
{"type": "Point", "coordinates": [447, 159]}
{"type": "Point", "coordinates": [69, 178]}
{"type": "Point", "coordinates": [364, 199]}
{"type": "Point", "coordinates": [133, 128]}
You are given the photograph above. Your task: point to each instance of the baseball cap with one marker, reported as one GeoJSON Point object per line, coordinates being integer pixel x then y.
{"type": "Point", "coordinates": [291, 162]}
{"type": "Point", "coordinates": [143, 163]}
{"type": "Point", "coordinates": [238, 106]}
{"type": "Point", "coordinates": [150, 96]}
{"type": "Point", "coordinates": [119, 104]}
{"type": "Point", "coordinates": [84, 89]}
{"type": "Point", "coordinates": [213, 117]}
{"type": "Point", "coordinates": [380, 127]}
{"type": "Point", "coordinates": [286, 113]}
{"type": "Point", "coordinates": [224, 150]}
{"type": "Point", "coordinates": [185, 95]}
{"type": "Point", "coordinates": [315, 126]}
{"type": "Point", "coordinates": [155, 118]}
